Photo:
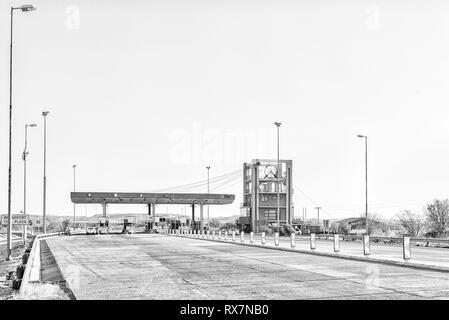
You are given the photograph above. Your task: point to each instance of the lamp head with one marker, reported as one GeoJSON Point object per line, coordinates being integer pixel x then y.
{"type": "Point", "coordinates": [74, 166]}
{"type": "Point", "coordinates": [45, 113]}
{"type": "Point", "coordinates": [27, 7]}
{"type": "Point", "coordinates": [361, 136]}
{"type": "Point", "coordinates": [277, 124]}
{"type": "Point", "coordinates": [32, 125]}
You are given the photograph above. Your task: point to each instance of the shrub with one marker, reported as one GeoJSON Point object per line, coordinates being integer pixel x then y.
{"type": "Point", "coordinates": [268, 231]}
{"type": "Point", "coordinates": [286, 230]}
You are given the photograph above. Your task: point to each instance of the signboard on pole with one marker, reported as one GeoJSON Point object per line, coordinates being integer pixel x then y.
{"type": "Point", "coordinates": [17, 219]}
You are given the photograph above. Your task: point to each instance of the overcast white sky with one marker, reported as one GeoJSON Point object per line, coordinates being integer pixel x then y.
{"type": "Point", "coordinates": [144, 94]}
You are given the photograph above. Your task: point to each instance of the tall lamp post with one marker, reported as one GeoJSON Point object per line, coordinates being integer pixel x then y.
{"type": "Point", "coordinates": [74, 189]}
{"type": "Point", "coordinates": [24, 8]}
{"type": "Point", "coordinates": [208, 220]}
{"type": "Point", "coordinates": [24, 158]}
{"type": "Point", "coordinates": [45, 114]}
{"type": "Point", "coordinates": [278, 174]}
{"type": "Point", "coordinates": [366, 180]}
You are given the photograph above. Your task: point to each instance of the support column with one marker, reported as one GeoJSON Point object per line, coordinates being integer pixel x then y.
{"type": "Point", "coordinates": [104, 204]}
{"type": "Point", "coordinates": [149, 216]}
{"type": "Point", "coordinates": [201, 217]}
{"type": "Point", "coordinates": [154, 211]}
{"type": "Point", "coordinates": [193, 216]}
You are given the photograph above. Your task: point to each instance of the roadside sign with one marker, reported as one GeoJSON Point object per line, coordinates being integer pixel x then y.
{"type": "Point", "coordinates": [17, 219]}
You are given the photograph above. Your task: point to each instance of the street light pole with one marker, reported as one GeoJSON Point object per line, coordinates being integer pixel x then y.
{"type": "Point", "coordinates": [278, 174]}
{"type": "Point", "coordinates": [366, 181]}
{"type": "Point", "coordinates": [24, 8]}
{"type": "Point", "coordinates": [208, 220]}
{"type": "Point", "coordinates": [24, 157]}
{"type": "Point", "coordinates": [74, 189]}
{"type": "Point", "coordinates": [44, 114]}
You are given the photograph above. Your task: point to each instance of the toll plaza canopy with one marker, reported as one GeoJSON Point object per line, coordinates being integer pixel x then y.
{"type": "Point", "coordinates": [151, 198]}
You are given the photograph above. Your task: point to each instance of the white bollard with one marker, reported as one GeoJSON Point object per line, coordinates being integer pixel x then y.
{"type": "Point", "coordinates": [207, 236]}
{"type": "Point", "coordinates": [406, 247]}
{"type": "Point", "coordinates": [219, 235]}
{"type": "Point", "coordinates": [233, 235]}
{"type": "Point", "coordinates": [226, 235]}
{"type": "Point", "coordinates": [213, 235]}
{"type": "Point", "coordinates": [292, 240]}
{"type": "Point", "coordinates": [276, 239]}
{"type": "Point", "coordinates": [262, 238]}
{"type": "Point", "coordinates": [366, 248]}
{"type": "Point", "coordinates": [251, 237]}
{"type": "Point", "coordinates": [312, 241]}
{"type": "Point", "coordinates": [242, 236]}
{"type": "Point", "coordinates": [336, 242]}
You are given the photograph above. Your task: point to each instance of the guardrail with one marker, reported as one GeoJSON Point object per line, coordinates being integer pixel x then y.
{"type": "Point", "coordinates": [398, 240]}
{"type": "Point", "coordinates": [33, 259]}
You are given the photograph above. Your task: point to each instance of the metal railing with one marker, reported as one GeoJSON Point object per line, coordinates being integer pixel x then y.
{"type": "Point", "coordinates": [391, 240]}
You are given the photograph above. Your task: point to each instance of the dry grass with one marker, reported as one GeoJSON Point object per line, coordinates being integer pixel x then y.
{"type": "Point", "coordinates": [43, 291]}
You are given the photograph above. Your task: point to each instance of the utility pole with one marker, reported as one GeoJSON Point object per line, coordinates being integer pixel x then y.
{"type": "Point", "coordinates": [318, 209]}
{"type": "Point", "coordinates": [278, 175]}
{"type": "Point", "coordinates": [366, 181]}
{"type": "Point", "coordinates": [74, 189]}
{"type": "Point", "coordinates": [208, 218]}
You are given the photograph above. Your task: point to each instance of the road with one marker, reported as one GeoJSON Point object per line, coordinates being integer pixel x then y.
{"type": "Point", "coordinates": [154, 266]}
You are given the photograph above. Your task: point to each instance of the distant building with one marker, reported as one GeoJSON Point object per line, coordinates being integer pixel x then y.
{"type": "Point", "coordinates": [351, 225]}
{"type": "Point", "coordinates": [260, 186]}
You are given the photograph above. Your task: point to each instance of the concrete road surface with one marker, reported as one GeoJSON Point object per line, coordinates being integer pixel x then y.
{"type": "Point", "coordinates": [153, 266]}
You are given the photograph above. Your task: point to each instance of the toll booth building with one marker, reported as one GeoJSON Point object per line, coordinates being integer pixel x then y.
{"type": "Point", "coordinates": [261, 180]}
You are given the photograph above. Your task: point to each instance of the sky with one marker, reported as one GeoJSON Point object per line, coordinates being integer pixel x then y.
{"type": "Point", "coordinates": [143, 95]}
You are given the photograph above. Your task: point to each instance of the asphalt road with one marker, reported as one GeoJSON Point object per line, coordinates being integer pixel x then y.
{"type": "Point", "coordinates": [153, 266]}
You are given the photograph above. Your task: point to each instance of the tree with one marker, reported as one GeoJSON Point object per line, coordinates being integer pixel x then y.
{"type": "Point", "coordinates": [65, 223]}
{"type": "Point", "coordinates": [214, 223]}
{"type": "Point", "coordinates": [413, 223]}
{"type": "Point", "coordinates": [437, 214]}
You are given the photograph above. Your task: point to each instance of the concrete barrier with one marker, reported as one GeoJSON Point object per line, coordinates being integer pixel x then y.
{"type": "Point", "coordinates": [251, 237]}
{"type": "Point", "coordinates": [262, 238]}
{"type": "Point", "coordinates": [276, 239]}
{"type": "Point", "coordinates": [366, 247]}
{"type": "Point", "coordinates": [312, 241]}
{"type": "Point", "coordinates": [242, 236]}
{"type": "Point", "coordinates": [292, 240]}
{"type": "Point", "coordinates": [406, 248]}
{"type": "Point", "coordinates": [336, 243]}
{"type": "Point", "coordinates": [32, 268]}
